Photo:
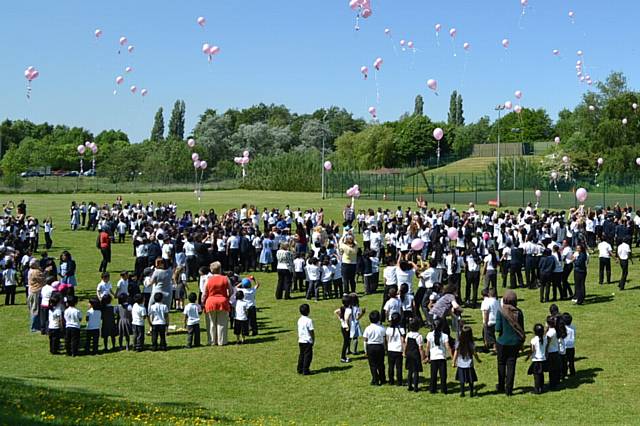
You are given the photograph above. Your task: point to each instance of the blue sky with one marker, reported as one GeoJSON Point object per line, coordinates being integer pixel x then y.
{"type": "Point", "coordinates": [305, 55]}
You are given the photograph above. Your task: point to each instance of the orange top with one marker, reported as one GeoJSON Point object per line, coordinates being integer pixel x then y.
{"type": "Point", "coordinates": [215, 295]}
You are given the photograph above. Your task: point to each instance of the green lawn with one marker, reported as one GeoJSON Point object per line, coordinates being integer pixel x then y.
{"type": "Point", "coordinates": [257, 383]}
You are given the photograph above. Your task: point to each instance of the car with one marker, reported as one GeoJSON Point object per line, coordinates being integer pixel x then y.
{"type": "Point", "coordinates": [30, 173]}
{"type": "Point", "coordinates": [58, 173]}
{"type": "Point", "coordinates": [71, 173]}
{"type": "Point", "coordinates": [89, 172]}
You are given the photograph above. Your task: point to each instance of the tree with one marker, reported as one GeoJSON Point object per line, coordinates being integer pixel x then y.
{"type": "Point", "coordinates": [157, 132]}
{"type": "Point", "coordinates": [528, 126]}
{"type": "Point", "coordinates": [313, 134]}
{"type": "Point", "coordinates": [419, 106]}
{"type": "Point", "coordinates": [452, 117]}
{"type": "Point", "coordinates": [459, 111]}
{"type": "Point", "coordinates": [469, 135]}
{"type": "Point", "coordinates": [613, 86]}
{"type": "Point", "coordinates": [176, 122]}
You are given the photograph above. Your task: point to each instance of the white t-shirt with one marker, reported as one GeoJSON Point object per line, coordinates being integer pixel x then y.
{"type": "Point", "coordinates": [305, 327]}
{"type": "Point", "coordinates": [394, 339]}
{"type": "Point", "coordinates": [45, 295]}
{"type": "Point", "coordinates": [429, 277]}
{"type": "Point", "coordinates": [202, 284]}
{"type": "Point", "coordinates": [313, 273]}
{"type": "Point", "coordinates": [72, 317]}
{"type": "Point", "coordinates": [158, 313]}
{"type": "Point", "coordinates": [437, 351]}
{"type": "Point", "coordinates": [552, 340]}
{"type": "Point", "coordinates": [604, 249]}
{"type": "Point", "coordinates": [327, 273]}
{"type": "Point", "coordinates": [390, 275]}
{"type": "Point", "coordinates": [298, 264]}
{"type": "Point", "coordinates": [103, 289]}
{"type": "Point", "coordinates": [405, 277]}
{"type": "Point", "coordinates": [9, 276]}
{"type": "Point", "coordinates": [241, 310]}
{"type": "Point", "coordinates": [123, 287]}
{"type": "Point", "coordinates": [538, 349]}
{"type": "Point", "coordinates": [407, 304]}
{"type": "Point", "coordinates": [192, 312]}
{"type": "Point", "coordinates": [417, 337]}
{"type": "Point", "coordinates": [55, 317]}
{"type": "Point", "coordinates": [489, 265]}
{"type": "Point", "coordinates": [138, 313]}
{"type": "Point", "coordinates": [393, 305]}
{"type": "Point", "coordinates": [570, 340]}
{"type": "Point", "coordinates": [623, 251]}
{"type": "Point", "coordinates": [491, 305]}
{"type": "Point", "coordinates": [94, 319]}
{"type": "Point", "coordinates": [374, 334]}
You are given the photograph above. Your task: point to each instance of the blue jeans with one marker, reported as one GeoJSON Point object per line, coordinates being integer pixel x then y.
{"type": "Point", "coordinates": [35, 322]}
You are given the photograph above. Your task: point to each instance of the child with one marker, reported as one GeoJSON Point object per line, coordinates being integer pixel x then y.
{"type": "Point", "coordinates": [124, 320]}
{"type": "Point", "coordinates": [298, 270]}
{"type": "Point", "coordinates": [158, 320]}
{"type": "Point", "coordinates": [192, 321]}
{"type": "Point", "coordinates": [54, 326]}
{"type": "Point", "coordinates": [104, 286]}
{"type": "Point", "coordinates": [538, 357]}
{"type": "Point", "coordinates": [337, 276]}
{"type": "Point", "coordinates": [250, 298]}
{"type": "Point", "coordinates": [72, 318]}
{"type": "Point", "coordinates": [437, 347]}
{"type": "Point", "coordinates": [123, 284]}
{"type": "Point", "coordinates": [326, 278]}
{"type": "Point", "coordinates": [180, 280]}
{"type": "Point", "coordinates": [306, 339]}
{"type": "Point", "coordinates": [553, 355]}
{"type": "Point", "coordinates": [94, 318]}
{"type": "Point", "coordinates": [9, 276]}
{"type": "Point", "coordinates": [313, 274]}
{"type": "Point", "coordinates": [138, 314]}
{"type": "Point", "coordinates": [204, 273]}
{"type": "Point", "coordinates": [463, 359]}
{"type": "Point", "coordinates": [393, 305]}
{"type": "Point", "coordinates": [241, 324]}
{"type": "Point", "coordinates": [108, 323]}
{"type": "Point", "coordinates": [413, 353]}
{"type": "Point", "coordinates": [343, 313]}
{"type": "Point", "coordinates": [489, 308]}
{"type": "Point", "coordinates": [395, 349]}
{"type": "Point", "coordinates": [570, 344]}
{"type": "Point", "coordinates": [355, 330]}
{"type": "Point", "coordinates": [374, 336]}
{"type": "Point", "coordinates": [406, 305]}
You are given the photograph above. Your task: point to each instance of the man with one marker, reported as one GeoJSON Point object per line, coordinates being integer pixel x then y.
{"type": "Point", "coordinates": [624, 252]}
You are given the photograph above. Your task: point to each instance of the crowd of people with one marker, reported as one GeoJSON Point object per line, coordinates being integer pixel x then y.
{"type": "Point", "coordinates": [423, 253]}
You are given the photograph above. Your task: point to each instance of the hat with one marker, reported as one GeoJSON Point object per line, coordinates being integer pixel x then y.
{"type": "Point", "coordinates": [246, 283]}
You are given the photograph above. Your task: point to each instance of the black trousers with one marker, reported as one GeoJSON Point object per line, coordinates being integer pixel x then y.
{"type": "Point", "coordinates": [538, 382]}
{"type": "Point", "coordinates": [91, 341]}
{"type": "Point", "coordinates": [545, 286]}
{"type": "Point", "coordinates": [54, 340]}
{"type": "Point", "coordinates": [395, 366]}
{"type": "Point", "coordinates": [530, 271]}
{"type": "Point", "coordinates": [106, 258]}
{"type": "Point", "coordinates": [604, 266]}
{"type": "Point", "coordinates": [10, 295]}
{"type": "Point", "coordinates": [193, 335]}
{"type": "Point", "coordinates": [565, 290]}
{"type": "Point", "coordinates": [571, 359]}
{"type": "Point", "coordinates": [556, 281]}
{"type": "Point", "coordinates": [349, 277]}
{"type": "Point", "coordinates": [346, 340]}
{"type": "Point", "coordinates": [579, 281]}
{"type": "Point", "coordinates": [337, 288]}
{"type": "Point", "coordinates": [284, 284]}
{"type": "Point", "coordinates": [138, 337]}
{"type": "Point", "coordinates": [507, 357]}
{"type": "Point", "coordinates": [375, 355]}
{"type": "Point", "coordinates": [515, 276]}
{"type": "Point", "coordinates": [47, 240]}
{"type": "Point", "coordinates": [438, 367]}
{"type": "Point", "coordinates": [471, 289]}
{"type": "Point", "coordinates": [159, 331]}
{"type": "Point", "coordinates": [252, 313]}
{"type": "Point", "coordinates": [192, 268]}
{"type": "Point", "coordinates": [555, 369]}
{"type": "Point", "coordinates": [624, 265]}
{"type": "Point", "coordinates": [72, 340]}
{"type": "Point", "coordinates": [305, 357]}
{"type": "Point", "coordinates": [298, 281]}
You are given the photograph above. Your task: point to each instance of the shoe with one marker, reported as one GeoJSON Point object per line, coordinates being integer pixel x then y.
{"type": "Point", "coordinates": [345, 360]}
{"type": "Point", "coordinates": [410, 388]}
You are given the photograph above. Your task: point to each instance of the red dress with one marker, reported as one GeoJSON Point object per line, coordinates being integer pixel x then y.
{"type": "Point", "coordinates": [215, 294]}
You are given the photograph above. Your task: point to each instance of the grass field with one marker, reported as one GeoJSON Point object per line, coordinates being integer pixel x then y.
{"type": "Point", "coordinates": [257, 383]}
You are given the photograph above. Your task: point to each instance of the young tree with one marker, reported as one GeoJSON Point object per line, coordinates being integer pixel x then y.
{"type": "Point", "coordinates": [157, 132]}
{"type": "Point", "coordinates": [419, 106]}
{"type": "Point", "coordinates": [176, 122]}
{"type": "Point", "coordinates": [459, 111]}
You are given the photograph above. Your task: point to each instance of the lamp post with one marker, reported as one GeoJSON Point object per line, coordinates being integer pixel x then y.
{"type": "Point", "coordinates": [323, 142]}
{"type": "Point", "coordinates": [499, 108]}
{"type": "Point", "coordinates": [515, 130]}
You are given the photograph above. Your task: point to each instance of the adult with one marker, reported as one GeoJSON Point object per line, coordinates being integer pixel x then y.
{"type": "Point", "coordinates": [67, 269]}
{"type": "Point", "coordinates": [510, 328]}
{"type": "Point", "coordinates": [580, 260]}
{"type": "Point", "coordinates": [35, 279]}
{"type": "Point", "coordinates": [161, 282]}
{"type": "Point", "coordinates": [104, 244]}
{"type": "Point", "coordinates": [285, 271]}
{"type": "Point", "coordinates": [349, 252]}
{"type": "Point", "coordinates": [216, 297]}
{"type": "Point", "coordinates": [446, 305]}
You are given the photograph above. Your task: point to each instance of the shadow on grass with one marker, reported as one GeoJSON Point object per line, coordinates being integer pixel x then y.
{"type": "Point", "coordinates": [595, 299]}
{"type": "Point", "coordinates": [26, 403]}
{"type": "Point", "coordinates": [333, 369]}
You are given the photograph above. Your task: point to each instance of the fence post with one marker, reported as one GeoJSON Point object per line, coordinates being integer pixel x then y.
{"type": "Point", "coordinates": [604, 192]}
{"type": "Point", "coordinates": [634, 192]}
{"type": "Point", "coordinates": [454, 189]}
{"type": "Point", "coordinates": [394, 186]}
{"type": "Point", "coordinates": [548, 194]}
{"type": "Point", "coordinates": [475, 188]}
{"type": "Point", "coordinates": [524, 172]}
{"type": "Point", "coordinates": [433, 189]}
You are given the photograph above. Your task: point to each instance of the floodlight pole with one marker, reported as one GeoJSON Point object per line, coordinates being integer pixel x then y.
{"type": "Point", "coordinates": [498, 108]}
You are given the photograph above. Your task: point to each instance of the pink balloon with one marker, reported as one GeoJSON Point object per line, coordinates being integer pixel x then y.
{"type": "Point", "coordinates": [506, 43]}
{"type": "Point", "coordinates": [87, 144]}
{"type": "Point", "coordinates": [410, 45]}
{"type": "Point", "coordinates": [581, 195]}
{"type": "Point", "coordinates": [634, 105]}
{"type": "Point", "coordinates": [572, 14]}
{"type": "Point", "coordinates": [245, 154]}
{"type": "Point", "coordinates": [387, 31]}
{"type": "Point", "coordinates": [625, 121]}
{"type": "Point", "coordinates": [98, 33]}
{"type": "Point", "coordinates": [144, 92]}
{"type": "Point", "coordinates": [378, 63]}
{"type": "Point", "coordinates": [244, 160]}
{"type": "Point", "coordinates": [518, 94]}
{"type": "Point", "coordinates": [205, 48]}
{"type": "Point", "coordinates": [350, 192]}
{"type": "Point", "coordinates": [237, 160]}
{"type": "Point", "coordinates": [119, 79]}
{"type": "Point", "coordinates": [580, 53]}
{"type": "Point", "coordinates": [123, 41]}
{"type": "Point", "coordinates": [81, 149]}
{"type": "Point", "coordinates": [452, 233]}
{"type": "Point", "coordinates": [508, 105]}
{"type": "Point", "coordinates": [203, 165]}
{"type": "Point", "coordinates": [196, 164]}
{"type": "Point", "coordinates": [524, 3]}
{"type": "Point", "coordinates": [34, 74]}
{"type": "Point", "coordinates": [191, 142]}
{"type": "Point", "coordinates": [538, 193]}
{"type": "Point", "coordinates": [201, 21]}
{"type": "Point", "coordinates": [354, 4]}
{"type": "Point", "coordinates": [373, 111]}
{"type": "Point", "coordinates": [592, 108]}
{"type": "Point", "coordinates": [432, 84]}
{"type": "Point", "coordinates": [638, 161]}
{"type": "Point", "coordinates": [565, 159]}
{"type": "Point", "coordinates": [214, 50]}
{"type": "Point", "coordinates": [554, 175]}
{"type": "Point", "coordinates": [557, 139]}
{"type": "Point", "coordinates": [438, 134]}
{"type": "Point", "coordinates": [128, 69]}
{"type": "Point", "coordinates": [600, 161]}
{"type": "Point", "coordinates": [556, 52]}
{"type": "Point", "coordinates": [466, 46]}
{"type": "Point", "coordinates": [517, 109]}
{"type": "Point", "coordinates": [366, 13]}
{"type": "Point", "coordinates": [94, 149]}
{"type": "Point", "coordinates": [403, 42]}
{"type": "Point", "coordinates": [130, 49]}
{"type": "Point", "coordinates": [453, 32]}
{"type": "Point", "coordinates": [417, 244]}
{"type": "Point", "coordinates": [195, 156]}
{"type": "Point", "coordinates": [327, 165]}
{"type": "Point", "coordinates": [438, 28]}
{"type": "Point", "coordinates": [133, 89]}
{"type": "Point", "coordinates": [364, 71]}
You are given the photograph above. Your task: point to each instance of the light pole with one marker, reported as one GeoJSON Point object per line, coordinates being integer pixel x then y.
{"type": "Point", "coordinates": [515, 130]}
{"type": "Point", "coordinates": [499, 108]}
{"type": "Point", "coordinates": [323, 141]}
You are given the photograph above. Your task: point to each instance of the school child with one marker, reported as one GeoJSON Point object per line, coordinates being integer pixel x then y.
{"type": "Point", "coordinates": [538, 357]}
{"type": "Point", "coordinates": [326, 278]}
{"type": "Point", "coordinates": [54, 326]}
{"type": "Point", "coordinates": [375, 271]}
{"type": "Point", "coordinates": [298, 271]}
{"type": "Point", "coordinates": [104, 286]}
{"type": "Point", "coordinates": [121, 227]}
{"type": "Point", "coordinates": [393, 304]}
{"type": "Point", "coordinates": [313, 274]}
{"type": "Point", "coordinates": [367, 272]}
{"type": "Point", "coordinates": [138, 314]}
{"type": "Point", "coordinates": [108, 329]}
{"type": "Point", "coordinates": [413, 353]}
{"type": "Point", "coordinates": [406, 305]}
{"type": "Point", "coordinates": [158, 320]}
{"type": "Point", "coordinates": [306, 340]}
{"type": "Point", "coordinates": [570, 344]}
{"type": "Point", "coordinates": [10, 277]}
{"type": "Point", "coordinates": [45, 304]}
{"type": "Point", "coordinates": [124, 321]}
{"type": "Point", "coordinates": [437, 347]}
{"type": "Point", "coordinates": [241, 322]}
{"type": "Point", "coordinates": [553, 353]}
{"type": "Point", "coordinates": [94, 319]}
{"type": "Point", "coordinates": [355, 330]}
{"type": "Point", "coordinates": [344, 313]}
{"type": "Point", "coordinates": [123, 285]}
{"type": "Point", "coordinates": [395, 338]}
{"type": "Point", "coordinates": [250, 297]}
{"type": "Point", "coordinates": [374, 336]}
{"type": "Point", "coordinates": [489, 308]}
{"type": "Point", "coordinates": [336, 265]}
{"type": "Point", "coordinates": [204, 274]}
{"type": "Point", "coordinates": [72, 318]}
{"type": "Point", "coordinates": [192, 321]}
{"type": "Point", "coordinates": [180, 281]}
{"type": "Point", "coordinates": [147, 286]}
{"type": "Point", "coordinates": [463, 360]}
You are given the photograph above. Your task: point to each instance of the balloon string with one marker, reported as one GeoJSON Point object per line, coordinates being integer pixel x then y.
{"type": "Point", "coordinates": [28, 91]}
{"type": "Point", "coordinates": [437, 39]}
{"type": "Point", "coordinates": [464, 71]}
{"type": "Point", "coordinates": [453, 45]}
{"type": "Point", "coordinates": [357, 27]}
{"type": "Point", "coordinates": [377, 87]}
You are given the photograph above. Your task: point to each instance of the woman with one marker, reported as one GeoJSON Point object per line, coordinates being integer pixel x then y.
{"type": "Point", "coordinates": [301, 239]}
{"type": "Point", "coordinates": [285, 271]}
{"type": "Point", "coordinates": [446, 305]}
{"type": "Point", "coordinates": [216, 305]}
{"type": "Point", "coordinates": [349, 251]}
{"type": "Point", "coordinates": [510, 328]}
{"type": "Point", "coordinates": [580, 261]}
{"type": "Point", "coordinates": [104, 244]}
{"type": "Point", "coordinates": [67, 269]}
{"type": "Point", "coordinates": [161, 280]}
{"type": "Point", "coordinates": [35, 279]}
